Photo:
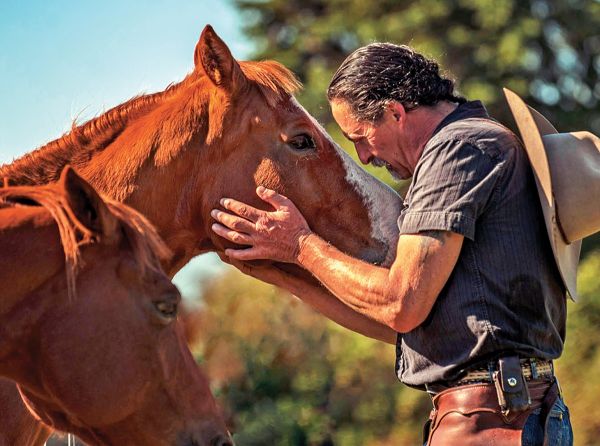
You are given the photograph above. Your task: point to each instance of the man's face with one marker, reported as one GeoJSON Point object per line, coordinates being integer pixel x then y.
{"type": "Point", "coordinates": [381, 144]}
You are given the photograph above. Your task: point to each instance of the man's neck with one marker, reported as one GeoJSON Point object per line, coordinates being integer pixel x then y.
{"type": "Point", "coordinates": [429, 119]}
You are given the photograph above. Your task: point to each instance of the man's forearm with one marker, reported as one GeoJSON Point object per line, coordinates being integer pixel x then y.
{"type": "Point", "coordinates": [400, 297]}
{"type": "Point", "coordinates": [330, 306]}
{"type": "Point", "coordinates": [358, 284]}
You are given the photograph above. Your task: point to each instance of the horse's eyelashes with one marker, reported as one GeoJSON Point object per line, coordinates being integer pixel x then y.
{"type": "Point", "coordinates": [302, 142]}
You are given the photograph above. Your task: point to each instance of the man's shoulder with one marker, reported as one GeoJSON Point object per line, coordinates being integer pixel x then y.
{"type": "Point", "coordinates": [486, 134]}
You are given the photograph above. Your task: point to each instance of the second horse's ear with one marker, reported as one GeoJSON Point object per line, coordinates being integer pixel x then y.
{"type": "Point", "coordinates": [89, 208]}
{"type": "Point", "coordinates": [213, 58]}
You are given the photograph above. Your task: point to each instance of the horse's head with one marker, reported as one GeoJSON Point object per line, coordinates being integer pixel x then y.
{"type": "Point", "coordinates": [255, 133]}
{"type": "Point", "coordinates": [226, 128]}
{"type": "Point", "coordinates": [98, 351]}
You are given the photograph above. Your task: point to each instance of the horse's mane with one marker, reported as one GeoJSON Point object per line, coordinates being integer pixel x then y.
{"type": "Point", "coordinates": [79, 145]}
{"type": "Point", "coordinates": [275, 82]}
{"type": "Point", "coordinates": [147, 245]}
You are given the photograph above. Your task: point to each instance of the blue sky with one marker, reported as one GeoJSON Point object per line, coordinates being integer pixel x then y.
{"type": "Point", "coordinates": [61, 60]}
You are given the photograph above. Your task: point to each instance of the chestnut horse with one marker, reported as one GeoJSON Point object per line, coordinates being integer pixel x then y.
{"type": "Point", "coordinates": [87, 322]}
{"type": "Point", "coordinates": [228, 127]}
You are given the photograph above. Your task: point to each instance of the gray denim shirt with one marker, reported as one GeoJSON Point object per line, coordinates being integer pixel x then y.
{"type": "Point", "coordinates": [505, 293]}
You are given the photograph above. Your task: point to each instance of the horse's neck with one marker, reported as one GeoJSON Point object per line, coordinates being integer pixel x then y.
{"type": "Point", "coordinates": [45, 164]}
{"type": "Point", "coordinates": [157, 181]}
{"type": "Point", "coordinates": [169, 196]}
{"type": "Point", "coordinates": [35, 168]}
{"type": "Point", "coordinates": [81, 144]}
{"type": "Point", "coordinates": [177, 206]}
{"type": "Point", "coordinates": [160, 193]}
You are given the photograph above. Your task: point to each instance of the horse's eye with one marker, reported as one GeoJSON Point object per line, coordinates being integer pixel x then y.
{"type": "Point", "coordinates": [302, 142]}
{"type": "Point", "coordinates": [167, 310]}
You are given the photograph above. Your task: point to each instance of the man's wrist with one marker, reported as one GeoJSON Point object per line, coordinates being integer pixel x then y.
{"type": "Point", "coordinates": [305, 244]}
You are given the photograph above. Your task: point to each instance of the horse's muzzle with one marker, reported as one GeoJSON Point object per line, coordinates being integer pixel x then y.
{"type": "Point", "coordinates": [221, 439]}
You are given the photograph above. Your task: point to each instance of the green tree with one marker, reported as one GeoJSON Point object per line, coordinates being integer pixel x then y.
{"type": "Point", "coordinates": [547, 51]}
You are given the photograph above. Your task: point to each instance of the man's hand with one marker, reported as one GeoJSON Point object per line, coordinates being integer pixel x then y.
{"type": "Point", "coordinates": [271, 274]}
{"type": "Point", "coordinates": [276, 235]}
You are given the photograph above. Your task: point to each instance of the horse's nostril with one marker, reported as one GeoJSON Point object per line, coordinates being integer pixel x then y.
{"type": "Point", "coordinates": [221, 440]}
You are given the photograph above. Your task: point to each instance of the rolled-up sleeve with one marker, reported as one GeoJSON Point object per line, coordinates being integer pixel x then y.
{"type": "Point", "coordinates": [452, 186]}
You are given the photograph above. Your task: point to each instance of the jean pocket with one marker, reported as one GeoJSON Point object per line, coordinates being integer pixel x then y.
{"type": "Point", "coordinates": [558, 427]}
{"type": "Point", "coordinates": [559, 431]}
{"type": "Point", "coordinates": [533, 431]}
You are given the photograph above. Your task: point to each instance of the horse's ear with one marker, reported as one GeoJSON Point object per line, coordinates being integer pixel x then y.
{"type": "Point", "coordinates": [88, 207]}
{"type": "Point", "coordinates": [212, 56]}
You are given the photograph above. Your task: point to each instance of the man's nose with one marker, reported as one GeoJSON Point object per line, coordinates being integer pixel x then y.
{"type": "Point", "coordinates": [364, 154]}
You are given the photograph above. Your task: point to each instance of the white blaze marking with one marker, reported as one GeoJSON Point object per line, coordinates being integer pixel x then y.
{"type": "Point", "coordinates": [381, 202]}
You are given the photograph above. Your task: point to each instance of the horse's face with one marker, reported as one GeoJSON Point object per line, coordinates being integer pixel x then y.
{"type": "Point", "coordinates": [112, 365]}
{"type": "Point", "coordinates": [118, 363]}
{"type": "Point", "coordinates": [288, 151]}
{"type": "Point", "coordinates": [268, 139]}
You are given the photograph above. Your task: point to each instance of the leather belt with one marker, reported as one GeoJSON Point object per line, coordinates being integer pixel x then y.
{"type": "Point", "coordinates": [532, 368]}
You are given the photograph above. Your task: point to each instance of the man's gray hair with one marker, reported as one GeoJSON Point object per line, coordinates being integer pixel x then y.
{"type": "Point", "coordinates": [376, 74]}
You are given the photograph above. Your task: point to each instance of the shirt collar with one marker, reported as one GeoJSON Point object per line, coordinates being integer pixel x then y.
{"type": "Point", "coordinates": [469, 109]}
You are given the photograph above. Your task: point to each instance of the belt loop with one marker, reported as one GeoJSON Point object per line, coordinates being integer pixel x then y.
{"type": "Point", "coordinates": [533, 365]}
{"type": "Point", "coordinates": [560, 392]}
{"type": "Point", "coordinates": [430, 392]}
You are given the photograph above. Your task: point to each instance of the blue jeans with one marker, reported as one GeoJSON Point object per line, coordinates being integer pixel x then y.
{"type": "Point", "coordinates": [559, 431]}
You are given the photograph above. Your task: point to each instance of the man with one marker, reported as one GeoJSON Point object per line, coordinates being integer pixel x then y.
{"type": "Point", "coordinates": [474, 300]}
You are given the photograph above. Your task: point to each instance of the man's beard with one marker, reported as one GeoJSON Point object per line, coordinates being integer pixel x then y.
{"type": "Point", "coordinates": [378, 162]}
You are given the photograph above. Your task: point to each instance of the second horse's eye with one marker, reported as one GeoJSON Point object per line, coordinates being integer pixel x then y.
{"type": "Point", "coordinates": [302, 142]}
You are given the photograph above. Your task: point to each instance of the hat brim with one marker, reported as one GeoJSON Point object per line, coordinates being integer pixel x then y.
{"type": "Point", "coordinates": [532, 127]}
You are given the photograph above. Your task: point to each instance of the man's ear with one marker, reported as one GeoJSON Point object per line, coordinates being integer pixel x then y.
{"type": "Point", "coordinates": [397, 110]}
{"type": "Point", "coordinates": [213, 58]}
{"type": "Point", "coordinates": [88, 208]}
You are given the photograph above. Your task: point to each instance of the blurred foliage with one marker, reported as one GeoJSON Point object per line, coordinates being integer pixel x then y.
{"type": "Point", "coordinates": [289, 377]}
{"type": "Point", "coordinates": [580, 363]}
{"type": "Point", "coordinates": [546, 50]}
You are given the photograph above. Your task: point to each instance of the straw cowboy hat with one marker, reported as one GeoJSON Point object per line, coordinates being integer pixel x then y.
{"type": "Point", "coordinates": [567, 173]}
